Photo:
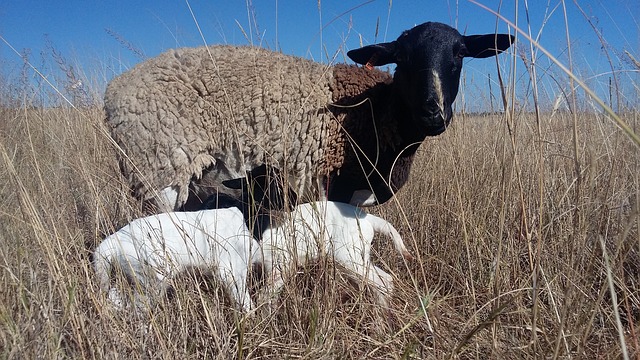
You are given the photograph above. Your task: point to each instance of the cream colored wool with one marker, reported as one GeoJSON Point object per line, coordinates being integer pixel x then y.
{"type": "Point", "coordinates": [191, 108]}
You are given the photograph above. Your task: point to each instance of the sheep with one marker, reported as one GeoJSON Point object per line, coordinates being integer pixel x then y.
{"type": "Point", "coordinates": [151, 250]}
{"type": "Point", "coordinates": [193, 117]}
{"type": "Point", "coordinates": [338, 230]}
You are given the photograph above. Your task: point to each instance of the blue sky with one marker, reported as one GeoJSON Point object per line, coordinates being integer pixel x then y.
{"type": "Point", "coordinates": [92, 33]}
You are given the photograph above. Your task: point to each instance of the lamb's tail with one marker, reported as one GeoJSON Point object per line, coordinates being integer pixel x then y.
{"type": "Point", "coordinates": [384, 227]}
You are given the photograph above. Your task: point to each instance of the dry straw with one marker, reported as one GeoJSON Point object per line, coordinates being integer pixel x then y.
{"type": "Point", "coordinates": [520, 254]}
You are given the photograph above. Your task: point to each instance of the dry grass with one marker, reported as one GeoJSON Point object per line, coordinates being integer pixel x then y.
{"type": "Point", "coordinates": [525, 229]}
{"type": "Point", "coordinates": [508, 238]}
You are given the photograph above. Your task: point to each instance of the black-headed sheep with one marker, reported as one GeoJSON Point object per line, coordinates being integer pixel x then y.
{"type": "Point", "coordinates": [192, 118]}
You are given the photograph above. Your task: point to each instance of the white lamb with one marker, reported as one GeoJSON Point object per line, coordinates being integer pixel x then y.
{"type": "Point", "coordinates": [151, 250]}
{"type": "Point", "coordinates": [334, 229]}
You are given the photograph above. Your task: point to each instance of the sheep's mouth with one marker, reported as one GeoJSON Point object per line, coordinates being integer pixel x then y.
{"type": "Point", "coordinates": [433, 126]}
{"type": "Point", "coordinates": [434, 130]}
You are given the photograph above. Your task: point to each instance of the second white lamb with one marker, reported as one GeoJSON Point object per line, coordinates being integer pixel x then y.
{"type": "Point", "coordinates": [338, 230]}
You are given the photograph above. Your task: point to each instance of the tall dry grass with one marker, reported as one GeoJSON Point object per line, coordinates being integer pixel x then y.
{"type": "Point", "coordinates": [524, 225]}
{"type": "Point", "coordinates": [513, 259]}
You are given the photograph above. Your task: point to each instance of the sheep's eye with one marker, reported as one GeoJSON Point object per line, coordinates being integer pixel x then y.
{"type": "Point", "coordinates": [457, 62]}
{"type": "Point", "coordinates": [402, 56]}
{"type": "Point", "coordinates": [461, 53]}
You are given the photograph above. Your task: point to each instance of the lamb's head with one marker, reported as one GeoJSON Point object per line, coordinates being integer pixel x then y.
{"type": "Point", "coordinates": [429, 60]}
{"type": "Point", "coordinates": [264, 188]}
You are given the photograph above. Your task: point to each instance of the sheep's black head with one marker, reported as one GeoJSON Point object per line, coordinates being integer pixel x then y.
{"type": "Point", "coordinates": [429, 60]}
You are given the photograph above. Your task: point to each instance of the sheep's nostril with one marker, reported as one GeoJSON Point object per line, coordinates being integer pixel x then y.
{"type": "Point", "coordinates": [432, 109]}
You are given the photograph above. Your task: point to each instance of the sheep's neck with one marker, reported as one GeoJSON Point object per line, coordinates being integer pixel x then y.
{"type": "Point", "coordinates": [378, 132]}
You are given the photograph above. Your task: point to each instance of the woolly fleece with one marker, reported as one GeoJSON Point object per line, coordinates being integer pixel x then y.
{"type": "Point", "coordinates": [191, 108]}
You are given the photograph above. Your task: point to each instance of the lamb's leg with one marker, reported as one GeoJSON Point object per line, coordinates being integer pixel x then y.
{"type": "Point", "coordinates": [381, 281]}
{"type": "Point", "coordinates": [151, 285]}
{"type": "Point", "coordinates": [236, 284]}
{"type": "Point", "coordinates": [247, 303]}
{"type": "Point", "coordinates": [383, 284]}
{"type": "Point", "coordinates": [274, 285]}
{"type": "Point", "coordinates": [103, 273]}
{"type": "Point", "coordinates": [139, 277]}
{"type": "Point", "coordinates": [115, 298]}
{"type": "Point", "coordinates": [168, 199]}
{"type": "Point", "coordinates": [382, 226]}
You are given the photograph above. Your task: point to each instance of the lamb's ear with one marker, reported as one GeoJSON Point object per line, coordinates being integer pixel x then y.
{"type": "Point", "coordinates": [262, 170]}
{"type": "Point", "coordinates": [235, 183]}
{"type": "Point", "coordinates": [375, 55]}
{"type": "Point", "coordinates": [293, 198]}
{"type": "Point", "coordinates": [482, 46]}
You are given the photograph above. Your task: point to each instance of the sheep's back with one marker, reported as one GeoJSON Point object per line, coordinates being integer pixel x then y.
{"type": "Point", "coordinates": [191, 108]}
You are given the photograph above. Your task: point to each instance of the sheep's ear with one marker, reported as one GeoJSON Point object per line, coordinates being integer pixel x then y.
{"type": "Point", "coordinates": [482, 46]}
{"type": "Point", "coordinates": [235, 183]}
{"type": "Point", "coordinates": [375, 55]}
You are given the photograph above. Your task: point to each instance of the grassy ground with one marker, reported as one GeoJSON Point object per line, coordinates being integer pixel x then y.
{"type": "Point", "coordinates": [527, 246]}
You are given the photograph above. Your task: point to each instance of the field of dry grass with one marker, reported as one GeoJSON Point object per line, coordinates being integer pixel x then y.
{"type": "Point", "coordinates": [525, 234]}
{"type": "Point", "coordinates": [525, 230]}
